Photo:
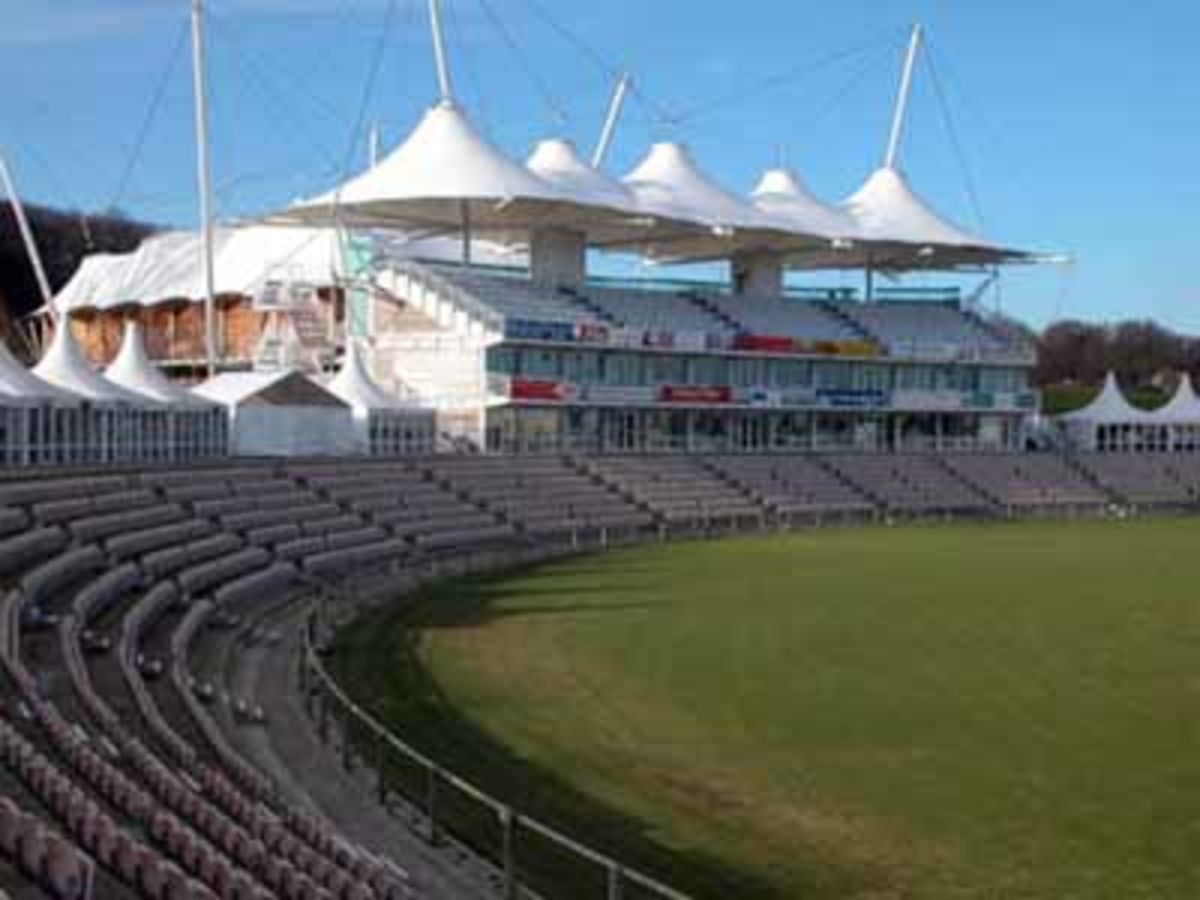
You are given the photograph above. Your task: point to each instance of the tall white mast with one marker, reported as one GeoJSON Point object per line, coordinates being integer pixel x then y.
{"type": "Point", "coordinates": [445, 88]}
{"type": "Point", "coordinates": [204, 178]}
{"type": "Point", "coordinates": [375, 145]}
{"type": "Point", "coordinates": [31, 247]}
{"type": "Point", "coordinates": [901, 114]}
{"type": "Point", "coordinates": [610, 121]}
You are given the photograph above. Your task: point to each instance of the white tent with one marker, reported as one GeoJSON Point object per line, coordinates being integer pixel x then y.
{"type": "Point", "coordinates": [1111, 423]}
{"type": "Point", "coordinates": [39, 422]}
{"type": "Point", "coordinates": [283, 413]}
{"type": "Point", "coordinates": [384, 425]}
{"type": "Point", "coordinates": [123, 426]}
{"type": "Point", "coordinates": [1181, 416]}
{"type": "Point", "coordinates": [196, 428]}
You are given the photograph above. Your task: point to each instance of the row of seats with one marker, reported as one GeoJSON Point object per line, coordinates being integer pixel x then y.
{"type": "Point", "coordinates": [158, 795]}
{"type": "Point", "coordinates": [904, 326]}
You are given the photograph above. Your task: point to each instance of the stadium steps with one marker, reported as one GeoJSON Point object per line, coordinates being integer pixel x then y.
{"type": "Point", "coordinates": [851, 322]}
{"type": "Point", "coordinates": [1077, 466]}
{"type": "Point", "coordinates": [616, 486]}
{"type": "Point", "coordinates": [830, 466]}
{"type": "Point", "coordinates": [713, 310]}
{"type": "Point", "coordinates": [978, 489]}
{"type": "Point", "coordinates": [592, 308]}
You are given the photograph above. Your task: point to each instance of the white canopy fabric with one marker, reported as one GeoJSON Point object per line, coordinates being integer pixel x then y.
{"type": "Point", "coordinates": [19, 383]}
{"type": "Point", "coordinates": [1183, 408]}
{"type": "Point", "coordinates": [1109, 408]}
{"type": "Point", "coordinates": [557, 162]}
{"type": "Point", "coordinates": [668, 182]}
{"type": "Point", "coordinates": [447, 174]}
{"type": "Point", "coordinates": [64, 366]}
{"type": "Point", "coordinates": [133, 371]}
{"type": "Point", "coordinates": [783, 195]}
{"type": "Point", "coordinates": [887, 209]}
{"type": "Point", "coordinates": [167, 267]}
{"type": "Point", "coordinates": [355, 386]}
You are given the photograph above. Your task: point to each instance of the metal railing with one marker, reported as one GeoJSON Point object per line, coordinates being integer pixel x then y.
{"type": "Point", "coordinates": [531, 859]}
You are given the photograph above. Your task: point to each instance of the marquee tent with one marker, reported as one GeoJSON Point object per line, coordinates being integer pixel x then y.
{"type": "Point", "coordinates": [38, 421]}
{"type": "Point", "coordinates": [384, 425]}
{"type": "Point", "coordinates": [122, 426]}
{"type": "Point", "coordinates": [196, 428]}
{"type": "Point", "coordinates": [283, 413]}
{"type": "Point", "coordinates": [1111, 423]}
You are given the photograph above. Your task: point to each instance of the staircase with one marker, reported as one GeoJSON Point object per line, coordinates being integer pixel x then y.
{"type": "Point", "coordinates": [966, 482]}
{"type": "Point", "coordinates": [850, 322]}
{"type": "Point", "coordinates": [706, 304]}
{"type": "Point", "coordinates": [586, 303]}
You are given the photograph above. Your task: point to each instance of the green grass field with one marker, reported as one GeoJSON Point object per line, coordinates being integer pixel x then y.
{"type": "Point", "coordinates": [1004, 711]}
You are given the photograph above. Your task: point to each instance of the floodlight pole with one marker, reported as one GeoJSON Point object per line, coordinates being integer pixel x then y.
{"type": "Point", "coordinates": [204, 179]}
{"type": "Point", "coordinates": [901, 114]}
{"type": "Point", "coordinates": [615, 106]}
{"type": "Point", "coordinates": [445, 88]}
{"type": "Point", "coordinates": [31, 247]}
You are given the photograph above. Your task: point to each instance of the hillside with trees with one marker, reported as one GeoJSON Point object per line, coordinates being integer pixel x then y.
{"type": "Point", "coordinates": [64, 238]}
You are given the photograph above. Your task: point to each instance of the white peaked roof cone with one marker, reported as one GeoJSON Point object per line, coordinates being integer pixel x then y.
{"type": "Point", "coordinates": [133, 371]}
{"type": "Point", "coordinates": [668, 182]}
{"type": "Point", "coordinates": [64, 366]}
{"type": "Point", "coordinates": [1183, 407]}
{"type": "Point", "coordinates": [1111, 406]}
{"type": "Point", "coordinates": [355, 386]}
{"type": "Point", "coordinates": [17, 381]}
{"type": "Point", "coordinates": [784, 196]}
{"type": "Point", "coordinates": [444, 162]}
{"type": "Point", "coordinates": [558, 162]}
{"type": "Point", "coordinates": [887, 209]}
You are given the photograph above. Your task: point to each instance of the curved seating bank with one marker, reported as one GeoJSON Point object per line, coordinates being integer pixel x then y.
{"type": "Point", "coordinates": [147, 751]}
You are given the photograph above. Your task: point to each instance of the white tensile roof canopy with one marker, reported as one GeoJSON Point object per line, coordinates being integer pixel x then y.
{"type": "Point", "coordinates": [447, 177]}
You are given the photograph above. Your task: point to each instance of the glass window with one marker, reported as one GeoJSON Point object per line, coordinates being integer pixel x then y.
{"type": "Point", "coordinates": [709, 370]}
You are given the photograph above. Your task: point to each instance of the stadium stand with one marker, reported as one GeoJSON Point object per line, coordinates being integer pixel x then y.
{"type": "Point", "coordinates": [1027, 481]}
{"type": "Point", "coordinates": [910, 483]}
{"type": "Point", "coordinates": [127, 600]}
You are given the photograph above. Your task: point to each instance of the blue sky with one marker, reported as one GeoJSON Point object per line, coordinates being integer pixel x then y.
{"type": "Point", "coordinates": [1079, 121]}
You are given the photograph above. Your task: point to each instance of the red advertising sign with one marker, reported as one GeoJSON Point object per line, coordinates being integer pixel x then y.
{"type": "Point", "coordinates": [692, 394]}
{"type": "Point", "coordinates": [529, 389]}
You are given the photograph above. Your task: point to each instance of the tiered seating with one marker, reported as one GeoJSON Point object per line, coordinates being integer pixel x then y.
{"type": "Point", "coordinates": [793, 485]}
{"type": "Point", "coordinates": [655, 310]}
{"type": "Point", "coordinates": [406, 502]}
{"type": "Point", "coordinates": [1026, 480]}
{"type": "Point", "coordinates": [231, 844]}
{"type": "Point", "coordinates": [539, 494]}
{"type": "Point", "coordinates": [679, 489]}
{"type": "Point", "coordinates": [518, 298]}
{"type": "Point", "coordinates": [921, 327]}
{"type": "Point", "coordinates": [783, 317]}
{"type": "Point", "coordinates": [1148, 479]}
{"type": "Point", "coordinates": [910, 483]}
